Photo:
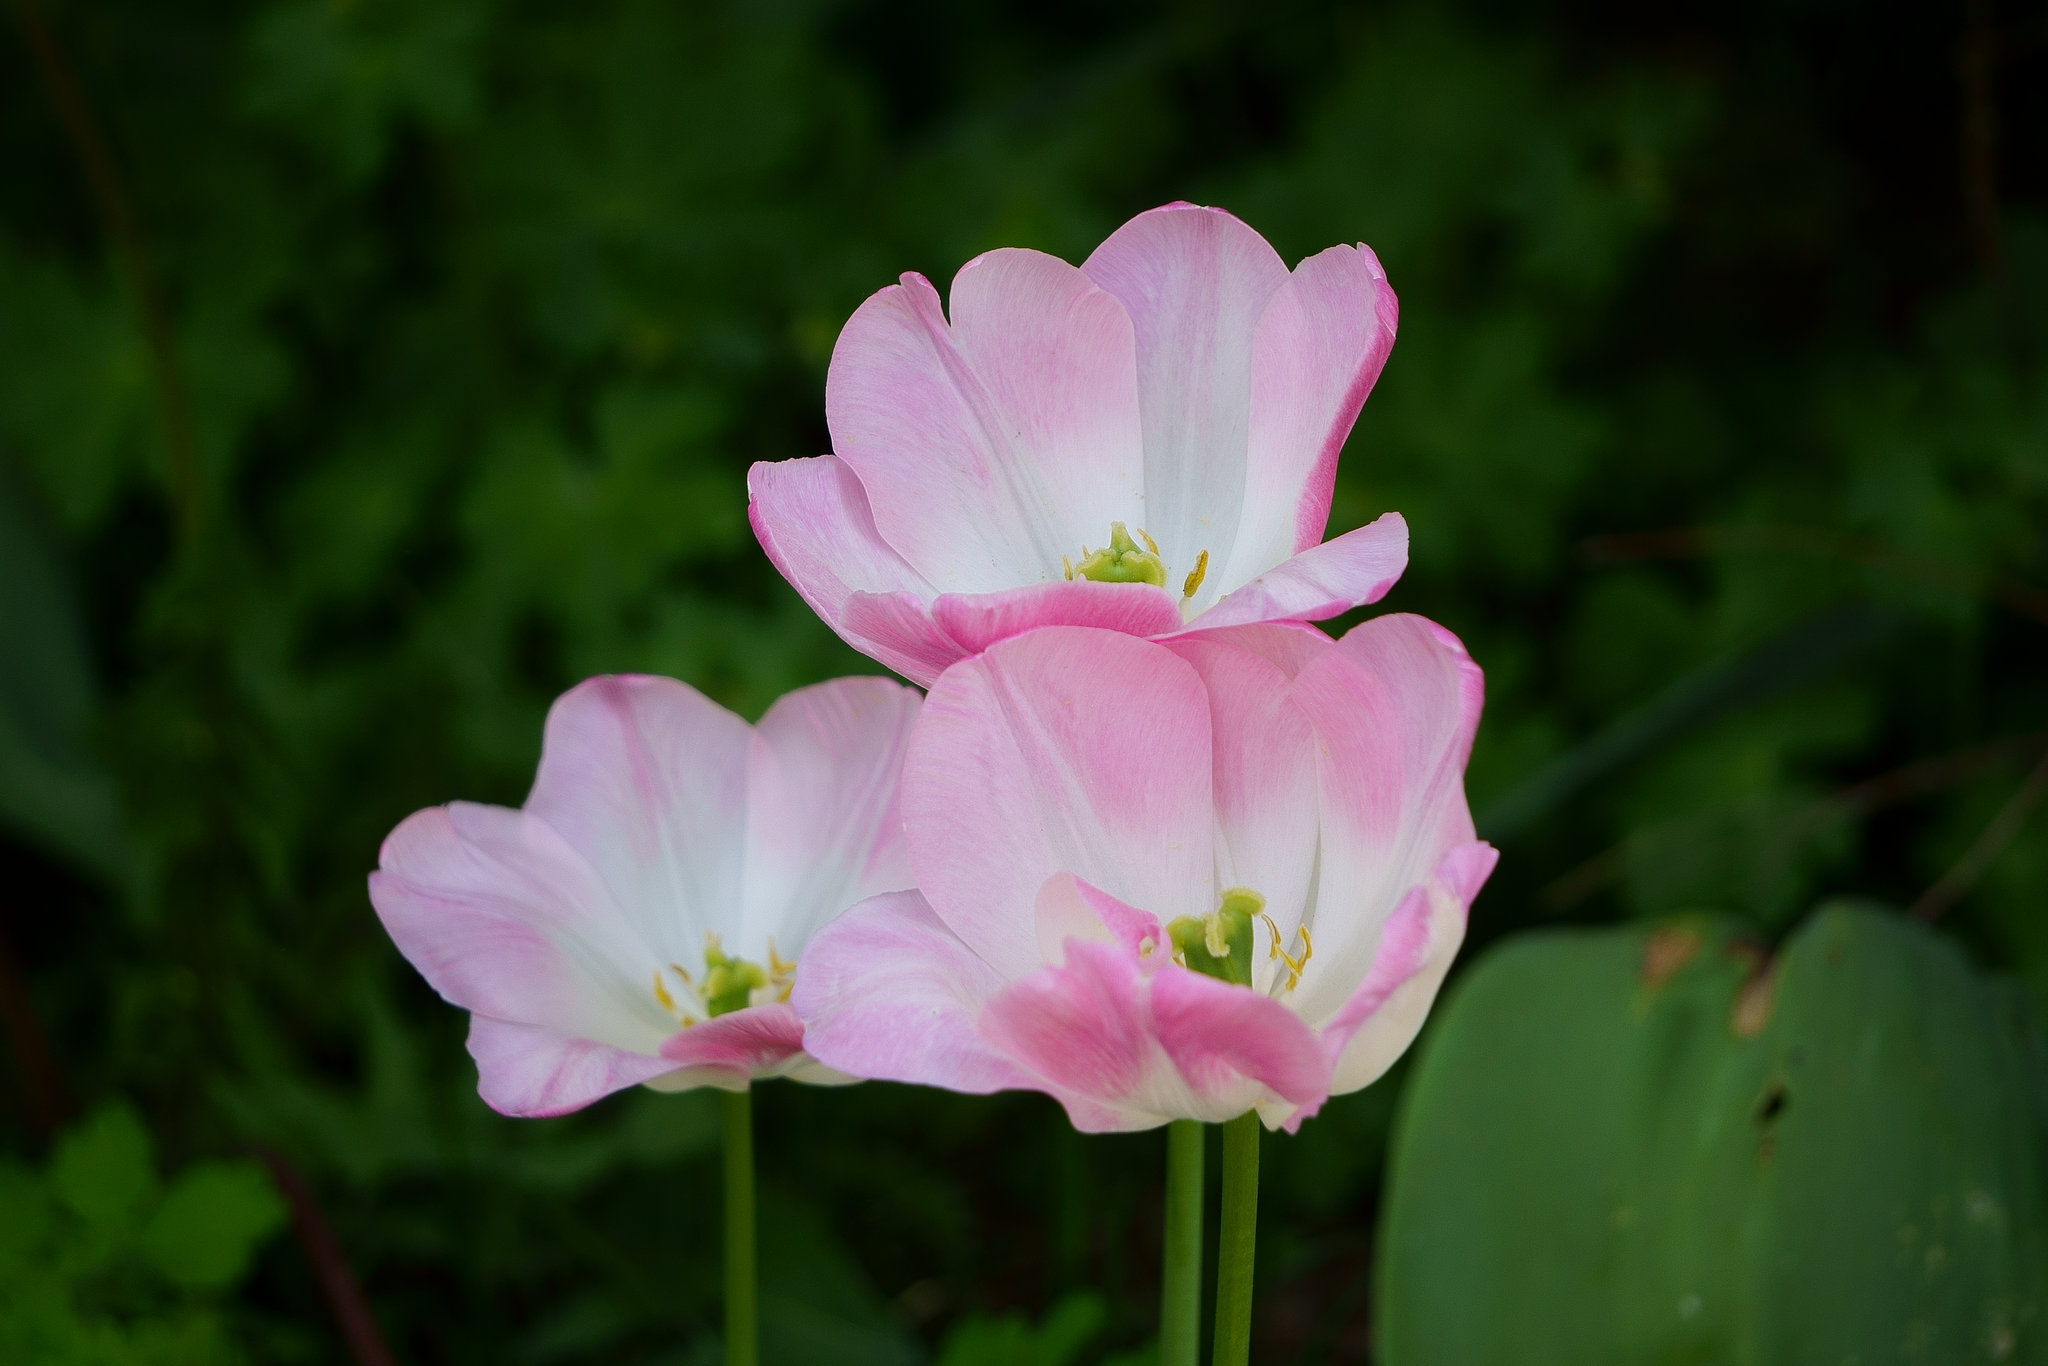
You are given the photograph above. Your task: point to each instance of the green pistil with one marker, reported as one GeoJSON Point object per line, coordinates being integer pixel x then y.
{"type": "Point", "coordinates": [1220, 944]}
{"type": "Point", "coordinates": [1125, 561]}
{"type": "Point", "coordinates": [729, 982]}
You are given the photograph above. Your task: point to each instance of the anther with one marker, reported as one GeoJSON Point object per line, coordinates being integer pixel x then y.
{"type": "Point", "coordinates": [1195, 575]}
{"type": "Point", "coordinates": [1294, 965]}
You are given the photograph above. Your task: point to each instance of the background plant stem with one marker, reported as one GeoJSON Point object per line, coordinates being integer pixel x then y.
{"type": "Point", "coordinates": [1237, 1240]}
{"type": "Point", "coordinates": [742, 1331]}
{"type": "Point", "coordinates": [1180, 1293]}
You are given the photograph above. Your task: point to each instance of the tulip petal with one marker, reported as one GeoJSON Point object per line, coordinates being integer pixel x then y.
{"type": "Point", "coordinates": [1383, 1016]}
{"type": "Point", "coordinates": [1069, 908]}
{"type": "Point", "coordinates": [897, 629]}
{"type": "Point", "coordinates": [1065, 750]}
{"type": "Point", "coordinates": [647, 779]}
{"type": "Point", "coordinates": [1320, 346]}
{"type": "Point", "coordinates": [1195, 282]}
{"type": "Point", "coordinates": [823, 826]}
{"type": "Point", "coordinates": [977, 621]}
{"type": "Point", "coordinates": [503, 918]}
{"type": "Point", "coordinates": [1124, 1050]}
{"type": "Point", "coordinates": [1355, 569]}
{"type": "Point", "coordinates": [812, 518]}
{"type": "Point", "coordinates": [887, 991]}
{"type": "Point", "coordinates": [1394, 704]}
{"type": "Point", "coordinates": [730, 1050]}
{"type": "Point", "coordinates": [991, 447]}
{"type": "Point", "coordinates": [1236, 1048]}
{"type": "Point", "coordinates": [1265, 782]}
{"type": "Point", "coordinates": [531, 1072]}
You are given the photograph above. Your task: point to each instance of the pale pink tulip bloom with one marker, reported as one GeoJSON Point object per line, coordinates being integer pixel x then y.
{"type": "Point", "coordinates": [1146, 442]}
{"type": "Point", "coordinates": [1167, 880]}
{"type": "Point", "coordinates": [638, 919]}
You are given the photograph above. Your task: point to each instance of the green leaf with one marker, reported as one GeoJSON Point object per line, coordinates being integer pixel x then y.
{"type": "Point", "coordinates": [52, 787]}
{"type": "Point", "coordinates": [104, 1170]}
{"type": "Point", "coordinates": [1011, 1340]}
{"type": "Point", "coordinates": [1653, 1146]}
{"type": "Point", "coordinates": [27, 1221]}
{"type": "Point", "coordinates": [211, 1222]}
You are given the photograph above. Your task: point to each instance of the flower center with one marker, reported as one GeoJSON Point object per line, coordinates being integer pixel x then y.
{"type": "Point", "coordinates": [1125, 561]}
{"type": "Point", "coordinates": [1219, 944]}
{"type": "Point", "coordinates": [729, 983]}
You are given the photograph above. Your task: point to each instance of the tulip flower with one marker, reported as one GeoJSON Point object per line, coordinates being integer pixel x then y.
{"type": "Point", "coordinates": [640, 918]}
{"type": "Point", "coordinates": [1146, 443]}
{"type": "Point", "coordinates": [1214, 878]}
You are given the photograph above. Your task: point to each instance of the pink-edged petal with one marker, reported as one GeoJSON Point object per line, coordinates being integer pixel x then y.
{"type": "Point", "coordinates": [647, 778]}
{"type": "Point", "coordinates": [1355, 569]}
{"type": "Point", "coordinates": [1069, 908]}
{"type": "Point", "coordinates": [1394, 705]}
{"type": "Point", "coordinates": [503, 918]}
{"type": "Point", "coordinates": [533, 1072]}
{"type": "Point", "coordinates": [738, 1046]}
{"type": "Point", "coordinates": [813, 519]}
{"type": "Point", "coordinates": [1066, 750]}
{"type": "Point", "coordinates": [1126, 1049]}
{"type": "Point", "coordinates": [887, 992]}
{"type": "Point", "coordinates": [1320, 346]}
{"type": "Point", "coordinates": [1081, 1029]}
{"type": "Point", "coordinates": [1234, 1048]}
{"type": "Point", "coordinates": [1265, 782]}
{"type": "Point", "coordinates": [823, 826]}
{"type": "Point", "coordinates": [1416, 947]}
{"type": "Point", "coordinates": [977, 621]}
{"type": "Point", "coordinates": [1195, 281]}
{"type": "Point", "coordinates": [991, 447]}
{"type": "Point", "coordinates": [897, 629]}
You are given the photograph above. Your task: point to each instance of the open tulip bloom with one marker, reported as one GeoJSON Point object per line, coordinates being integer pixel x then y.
{"type": "Point", "coordinates": [1188, 879]}
{"type": "Point", "coordinates": [640, 918]}
{"type": "Point", "coordinates": [1146, 442]}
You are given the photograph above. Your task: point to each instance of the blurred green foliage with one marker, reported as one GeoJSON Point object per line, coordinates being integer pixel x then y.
{"type": "Point", "coordinates": [101, 1265]}
{"type": "Point", "coordinates": [1718, 413]}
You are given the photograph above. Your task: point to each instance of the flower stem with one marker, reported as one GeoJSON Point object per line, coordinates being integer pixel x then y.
{"type": "Point", "coordinates": [1180, 1292]}
{"type": "Point", "coordinates": [742, 1345]}
{"type": "Point", "coordinates": [1237, 1240]}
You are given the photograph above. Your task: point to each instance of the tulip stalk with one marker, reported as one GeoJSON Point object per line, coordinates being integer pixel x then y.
{"type": "Point", "coordinates": [1237, 1240]}
{"type": "Point", "coordinates": [742, 1323]}
{"type": "Point", "coordinates": [1180, 1293]}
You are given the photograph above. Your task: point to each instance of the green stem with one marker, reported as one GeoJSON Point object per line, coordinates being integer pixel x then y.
{"type": "Point", "coordinates": [1180, 1292]}
{"type": "Point", "coordinates": [742, 1337]}
{"type": "Point", "coordinates": [1237, 1240]}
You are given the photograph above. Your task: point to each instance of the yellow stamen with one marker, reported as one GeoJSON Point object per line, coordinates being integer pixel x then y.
{"type": "Point", "coordinates": [1150, 544]}
{"type": "Point", "coordinates": [1067, 565]}
{"type": "Point", "coordinates": [1294, 965]}
{"type": "Point", "coordinates": [1196, 575]}
{"type": "Point", "coordinates": [668, 1002]}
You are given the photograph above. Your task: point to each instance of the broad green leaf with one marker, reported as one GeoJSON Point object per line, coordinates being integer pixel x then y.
{"type": "Point", "coordinates": [1654, 1146]}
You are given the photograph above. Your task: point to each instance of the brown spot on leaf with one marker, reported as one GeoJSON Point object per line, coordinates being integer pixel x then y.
{"type": "Point", "coordinates": [1666, 951]}
{"type": "Point", "coordinates": [1752, 1010]}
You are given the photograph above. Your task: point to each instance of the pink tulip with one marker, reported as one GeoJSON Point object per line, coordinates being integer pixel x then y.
{"type": "Point", "coordinates": [638, 919]}
{"type": "Point", "coordinates": [1167, 880]}
{"type": "Point", "coordinates": [1146, 442]}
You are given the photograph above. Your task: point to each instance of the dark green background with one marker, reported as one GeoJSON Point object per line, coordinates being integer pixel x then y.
{"type": "Point", "coordinates": [1719, 414]}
